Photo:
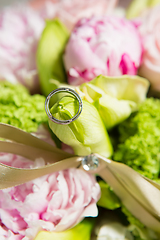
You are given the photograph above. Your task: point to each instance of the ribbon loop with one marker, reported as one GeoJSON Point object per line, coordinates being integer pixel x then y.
{"type": "Point", "coordinates": [10, 176]}
{"type": "Point", "coordinates": [139, 195]}
{"type": "Point", "coordinates": [17, 135]}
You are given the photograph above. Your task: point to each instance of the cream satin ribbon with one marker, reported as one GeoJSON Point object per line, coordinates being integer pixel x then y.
{"type": "Point", "coordinates": [140, 195]}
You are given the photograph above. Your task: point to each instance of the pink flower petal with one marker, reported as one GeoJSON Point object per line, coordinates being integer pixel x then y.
{"type": "Point", "coordinates": [102, 45]}
{"type": "Point", "coordinates": [53, 202]}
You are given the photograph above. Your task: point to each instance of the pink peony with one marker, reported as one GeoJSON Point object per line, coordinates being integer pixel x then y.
{"type": "Point", "coordinates": [70, 11]}
{"type": "Point", "coordinates": [150, 31]}
{"type": "Point", "coordinates": [102, 45]}
{"type": "Point", "coordinates": [53, 202]}
{"type": "Point", "coordinates": [20, 29]}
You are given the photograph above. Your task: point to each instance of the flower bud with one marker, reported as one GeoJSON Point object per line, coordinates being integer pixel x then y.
{"type": "Point", "coordinates": [87, 134]}
{"type": "Point", "coordinates": [102, 45]}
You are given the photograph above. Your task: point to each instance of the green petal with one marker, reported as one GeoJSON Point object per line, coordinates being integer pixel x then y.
{"type": "Point", "coordinates": [115, 97]}
{"type": "Point", "coordinates": [114, 111]}
{"type": "Point", "coordinates": [124, 87]}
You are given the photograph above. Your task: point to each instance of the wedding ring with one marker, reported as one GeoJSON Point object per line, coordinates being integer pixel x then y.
{"type": "Point", "coordinates": [66, 90]}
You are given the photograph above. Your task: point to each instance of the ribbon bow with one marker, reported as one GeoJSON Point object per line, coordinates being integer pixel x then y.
{"type": "Point", "coordinates": [140, 195]}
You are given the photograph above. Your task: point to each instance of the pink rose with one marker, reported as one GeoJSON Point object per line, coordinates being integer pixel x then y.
{"type": "Point", "coordinates": [53, 202]}
{"type": "Point", "coordinates": [70, 11]}
{"type": "Point", "coordinates": [102, 45]}
{"type": "Point", "coordinates": [20, 29]}
{"type": "Point", "coordinates": [150, 31]}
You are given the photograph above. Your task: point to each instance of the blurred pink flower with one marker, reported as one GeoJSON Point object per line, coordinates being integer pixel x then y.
{"type": "Point", "coordinates": [70, 11]}
{"type": "Point", "coordinates": [53, 202]}
{"type": "Point", "coordinates": [20, 29]}
{"type": "Point", "coordinates": [102, 45]}
{"type": "Point", "coordinates": [150, 31]}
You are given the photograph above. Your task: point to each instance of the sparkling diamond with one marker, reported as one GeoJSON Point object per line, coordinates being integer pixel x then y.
{"type": "Point", "coordinates": [90, 162]}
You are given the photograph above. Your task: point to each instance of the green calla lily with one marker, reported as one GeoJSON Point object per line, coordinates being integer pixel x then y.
{"type": "Point", "coordinates": [80, 232]}
{"type": "Point", "coordinates": [85, 135]}
{"type": "Point", "coordinates": [49, 55]}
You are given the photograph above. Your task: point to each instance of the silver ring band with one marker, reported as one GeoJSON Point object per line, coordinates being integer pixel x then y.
{"type": "Point", "coordinates": [72, 92]}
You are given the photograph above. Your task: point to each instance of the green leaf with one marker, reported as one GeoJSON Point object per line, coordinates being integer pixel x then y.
{"type": "Point", "coordinates": [79, 232]}
{"type": "Point", "coordinates": [131, 219]}
{"type": "Point", "coordinates": [142, 233]}
{"type": "Point", "coordinates": [49, 55]}
{"type": "Point", "coordinates": [108, 198]}
{"type": "Point", "coordinates": [137, 7]}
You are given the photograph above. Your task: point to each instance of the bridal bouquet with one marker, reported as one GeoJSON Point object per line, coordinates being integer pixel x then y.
{"type": "Point", "coordinates": [110, 58]}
